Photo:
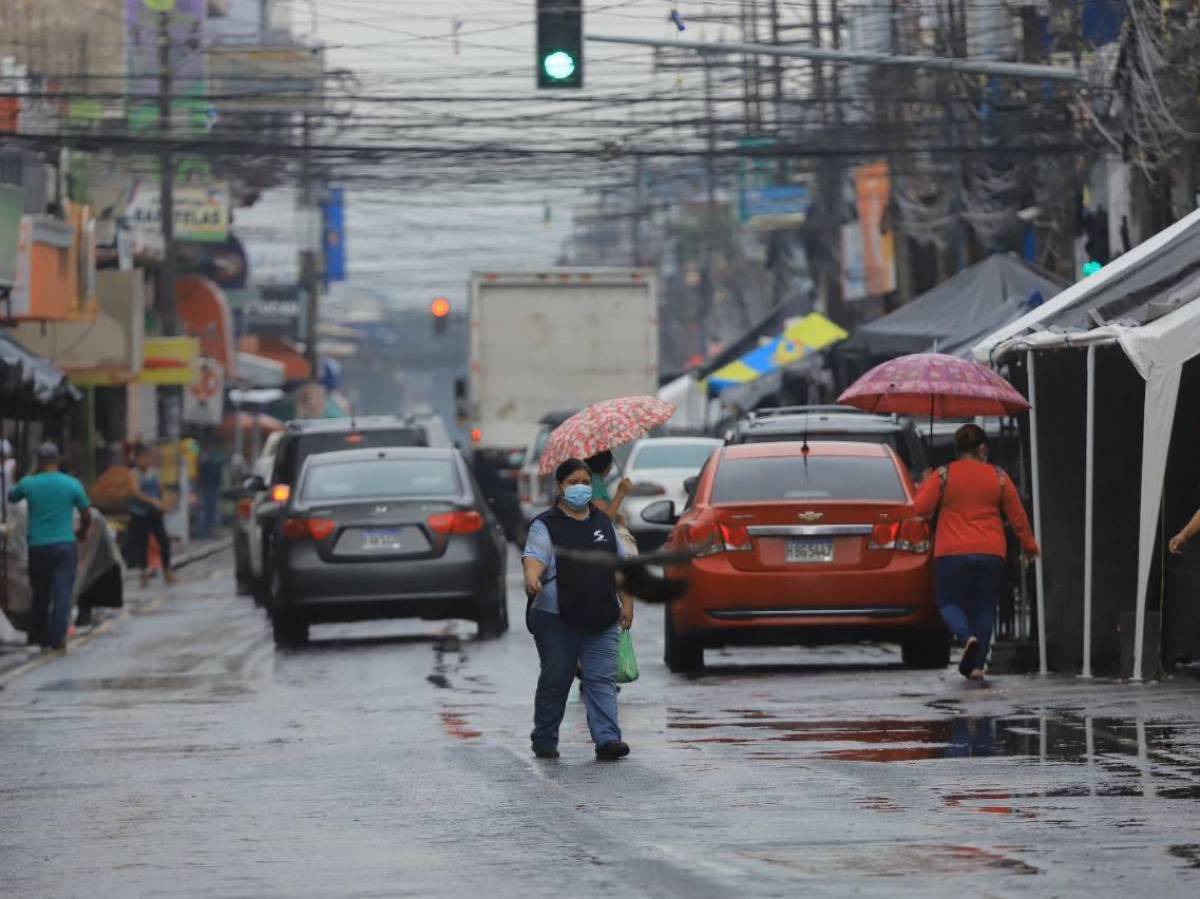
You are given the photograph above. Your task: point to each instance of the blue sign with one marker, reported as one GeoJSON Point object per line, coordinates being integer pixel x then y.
{"type": "Point", "coordinates": [793, 200]}
{"type": "Point", "coordinates": [333, 215]}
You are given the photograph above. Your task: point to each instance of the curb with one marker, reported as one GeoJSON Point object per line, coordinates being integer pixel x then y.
{"type": "Point", "coordinates": [196, 555]}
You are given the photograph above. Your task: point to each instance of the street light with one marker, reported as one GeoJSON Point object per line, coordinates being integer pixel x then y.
{"type": "Point", "coordinates": [440, 310]}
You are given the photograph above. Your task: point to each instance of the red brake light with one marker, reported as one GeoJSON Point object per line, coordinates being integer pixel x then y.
{"type": "Point", "coordinates": [470, 522]}
{"type": "Point", "coordinates": [354, 439]}
{"type": "Point", "coordinates": [280, 493]}
{"type": "Point", "coordinates": [308, 528]}
{"type": "Point", "coordinates": [736, 538]}
{"type": "Point", "coordinates": [704, 537]}
{"type": "Point", "coordinates": [914, 536]}
{"type": "Point", "coordinates": [884, 536]}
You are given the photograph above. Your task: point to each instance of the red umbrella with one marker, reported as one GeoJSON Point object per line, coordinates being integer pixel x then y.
{"type": "Point", "coordinates": [602, 426]}
{"type": "Point", "coordinates": [936, 385]}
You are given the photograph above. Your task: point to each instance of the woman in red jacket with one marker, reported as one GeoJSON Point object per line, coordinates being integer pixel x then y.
{"type": "Point", "coordinates": [969, 497]}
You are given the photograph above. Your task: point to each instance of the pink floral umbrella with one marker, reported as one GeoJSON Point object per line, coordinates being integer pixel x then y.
{"type": "Point", "coordinates": [602, 426]}
{"type": "Point", "coordinates": [936, 385]}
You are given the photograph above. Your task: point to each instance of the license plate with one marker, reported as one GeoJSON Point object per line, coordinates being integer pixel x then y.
{"type": "Point", "coordinates": [806, 550]}
{"type": "Point", "coordinates": [377, 541]}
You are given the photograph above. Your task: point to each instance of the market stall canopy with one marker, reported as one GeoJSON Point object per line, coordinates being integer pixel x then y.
{"type": "Point", "coordinates": [1145, 303]}
{"type": "Point", "coordinates": [810, 334]}
{"type": "Point", "coordinates": [29, 381]}
{"type": "Point", "coordinates": [974, 302]}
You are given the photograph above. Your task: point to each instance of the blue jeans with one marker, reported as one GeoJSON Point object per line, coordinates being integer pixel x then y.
{"type": "Point", "coordinates": [52, 577]}
{"type": "Point", "coordinates": [968, 588]}
{"type": "Point", "coordinates": [561, 648]}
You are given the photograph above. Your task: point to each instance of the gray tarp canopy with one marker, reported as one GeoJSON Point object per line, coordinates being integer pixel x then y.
{"type": "Point", "coordinates": [27, 379]}
{"type": "Point", "coordinates": [957, 313]}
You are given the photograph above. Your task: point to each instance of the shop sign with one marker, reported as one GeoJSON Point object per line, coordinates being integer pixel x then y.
{"type": "Point", "coordinates": [204, 399]}
{"type": "Point", "coordinates": [201, 214]}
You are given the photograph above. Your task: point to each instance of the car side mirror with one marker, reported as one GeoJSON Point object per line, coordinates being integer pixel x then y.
{"type": "Point", "coordinates": [689, 485]}
{"type": "Point", "coordinates": [661, 512]}
{"type": "Point", "coordinates": [254, 484]}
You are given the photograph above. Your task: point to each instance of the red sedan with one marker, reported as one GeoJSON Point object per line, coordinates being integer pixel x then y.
{"type": "Point", "coordinates": [810, 544]}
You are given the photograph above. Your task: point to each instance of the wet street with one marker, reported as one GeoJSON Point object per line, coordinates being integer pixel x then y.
{"type": "Point", "coordinates": [179, 754]}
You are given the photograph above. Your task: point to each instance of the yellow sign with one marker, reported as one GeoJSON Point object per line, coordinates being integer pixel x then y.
{"type": "Point", "coordinates": [166, 362]}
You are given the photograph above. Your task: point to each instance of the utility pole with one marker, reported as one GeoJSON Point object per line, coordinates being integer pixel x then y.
{"type": "Point", "coordinates": [710, 211]}
{"type": "Point", "coordinates": [635, 218]}
{"type": "Point", "coordinates": [308, 254]}
{"type": "Point", "coordinates": [166, 165]}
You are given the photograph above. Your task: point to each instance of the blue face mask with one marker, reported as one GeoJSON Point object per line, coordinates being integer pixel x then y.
{"type": "Point", "coordinates": [578, 496]}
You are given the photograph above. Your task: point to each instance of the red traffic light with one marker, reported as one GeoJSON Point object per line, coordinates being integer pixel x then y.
{"type": "Point", "coordinates": [440, 307]}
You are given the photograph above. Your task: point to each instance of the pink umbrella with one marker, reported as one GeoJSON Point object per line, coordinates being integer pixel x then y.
{"type": "Point", "coordinates": [936, 385]}
{"type": "Point", "coordinates": [602, 426]}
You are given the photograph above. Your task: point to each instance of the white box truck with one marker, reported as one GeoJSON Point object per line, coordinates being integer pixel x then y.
{"type": "Point", "coordinates": [548, 340]}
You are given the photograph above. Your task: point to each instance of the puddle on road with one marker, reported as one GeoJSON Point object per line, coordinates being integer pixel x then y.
{"type": "Point", "coordinates": [891, 860]}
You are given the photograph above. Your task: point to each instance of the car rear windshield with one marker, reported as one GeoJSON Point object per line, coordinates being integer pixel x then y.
{"type": "Point", "coordinates": [883, 438]}
{"type": "Point", "coordinates": [372, 479]}
{"type": "Point", "coordinates": [820, 477]}
{"type": "Point", "coordinates": [685, 456]}
{"type": "Point", "coordinates": [294, 452]}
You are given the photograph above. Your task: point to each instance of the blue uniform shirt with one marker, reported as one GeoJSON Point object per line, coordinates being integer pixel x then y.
{"type": "Point", "coordinates": [53, 498]}
{"type": "Point", "coordinates": [540, 547]}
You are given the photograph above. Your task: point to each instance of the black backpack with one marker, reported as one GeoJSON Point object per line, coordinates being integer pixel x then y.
{"type": "Point", "coordinates": [587, 595]}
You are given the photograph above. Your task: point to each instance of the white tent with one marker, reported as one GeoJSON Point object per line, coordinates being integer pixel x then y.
{"type": "Point", "coordinates": [1145, 303]}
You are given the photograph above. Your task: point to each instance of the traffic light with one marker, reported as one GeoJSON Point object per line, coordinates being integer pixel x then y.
{"type": "Point", "coordinates": [559, 43]}
{"type": "Point", "coordinates": [440, 310]}
{"type": "Point", "coordinates": [1094, 227]}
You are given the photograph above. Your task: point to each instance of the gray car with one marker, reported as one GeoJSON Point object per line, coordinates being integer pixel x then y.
{"type": "Point", "coordinates": [387, 533]}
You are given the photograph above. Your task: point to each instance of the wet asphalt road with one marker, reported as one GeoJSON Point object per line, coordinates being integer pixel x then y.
{"type": "Point", "coordinates": [179, 754]}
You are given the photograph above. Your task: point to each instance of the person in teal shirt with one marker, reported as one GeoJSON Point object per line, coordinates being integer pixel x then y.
{"type": "Point", "coordinates": [53, 498]}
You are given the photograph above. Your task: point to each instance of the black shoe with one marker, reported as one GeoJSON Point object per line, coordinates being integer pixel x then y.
{"type": "Point", "coordinates": [545, 752]}
{"type": "Point", "coordinates": [610, 752]}
{"type": "Point", "coordinates": [970, 658]}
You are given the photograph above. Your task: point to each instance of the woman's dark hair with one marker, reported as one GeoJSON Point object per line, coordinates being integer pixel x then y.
{"type": "Point", "coordinates": [969, 438]}
{"type": "Point", "coordinates": [599, 463]}
{"type": "Point", "coordinates": [568, 468]}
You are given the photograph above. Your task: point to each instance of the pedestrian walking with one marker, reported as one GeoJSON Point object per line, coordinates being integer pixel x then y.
{"type": "Point", "coordinates": [574, 614]}
{"type": "Point", "coordinates": [53, 498]}
{"type": "Point", "coordinates": [146, 516]}
{"type": "Point", "coordinates": [210, 470]}
{"type": "Point", "coordinates": [969, 497]}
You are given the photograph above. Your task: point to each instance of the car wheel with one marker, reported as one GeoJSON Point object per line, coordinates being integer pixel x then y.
{"type": "Point", "coordinates": [682, 655]}
{"type": "Point", "coordinates": [288, 629]}
{"type": "Point", "coordinates": [928, 651]}
{"type": "Point", "coordinates": [494, 621]}
{"type": "Point", "coordinates": [261, 591]}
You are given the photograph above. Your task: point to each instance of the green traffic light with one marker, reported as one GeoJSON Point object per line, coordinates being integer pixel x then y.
{"type": "Point", "coordinates": [1090, 268]}
{"type": "Point", "coordinates": [559, 65]}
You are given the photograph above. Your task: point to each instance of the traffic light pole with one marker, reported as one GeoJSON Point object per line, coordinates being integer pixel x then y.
{"type": "Point", "coordinates": [308, 257]}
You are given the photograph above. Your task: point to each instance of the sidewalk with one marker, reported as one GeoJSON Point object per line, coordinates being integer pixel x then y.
{"type": "Point", "coordinates": [15, 658]}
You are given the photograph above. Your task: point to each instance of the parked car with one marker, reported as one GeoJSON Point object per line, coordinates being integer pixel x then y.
{"type": "Point", "coordinates": [660, 468]}
{"type": "Point", "coordinates": [387, 533]}
{"type": "Point", "coordinates": [808, 546]}
{"type": "Point", "coordinates": [247, 533]}
{"type": "Point", "coordinates": [535, 490]}
{"type": "Point", "coordinates": [834, 423]}
{"type": "Point", "coordinates": [299, 440]}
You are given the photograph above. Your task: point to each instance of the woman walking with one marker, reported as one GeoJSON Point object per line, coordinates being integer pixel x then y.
{"type": "Point", "coordinates": [146, 516]}
{"type": "Point", "coordinates": [969, 497]}
{"type": "Point", "coordinates": [574, 615]}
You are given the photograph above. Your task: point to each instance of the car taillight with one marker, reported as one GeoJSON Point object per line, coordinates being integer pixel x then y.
{"type": "Point", "coordinates": [704, 539]}
{"type": "Point", "coordinates": [909, 536]}
{"type": "Point", "coordinates": [736, 538]}
{"type": "Point", "coordinates": [644, 489]}
{"type": "Point", "coordinates": [456, 522]}
{"type": "Point", "coordinates": [244, 508]}
{"type": "Point", "coordinates": [280, 493]}
{"type": "Point", "coordinates": [296, 528]}
{"type": "Point", "coordinates": [914, 536]}
{"type": "Point", "coordinates": [883, 536]}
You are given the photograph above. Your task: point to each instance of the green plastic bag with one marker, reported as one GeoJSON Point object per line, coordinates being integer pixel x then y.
{"type": "Point", "coordinates": [627, 669]}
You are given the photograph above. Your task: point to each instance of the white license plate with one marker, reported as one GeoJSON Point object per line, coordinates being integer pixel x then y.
{"type": "Point", "coordinates": [376, 541]}
{"type": "Point", "coordinates": [806, 550]}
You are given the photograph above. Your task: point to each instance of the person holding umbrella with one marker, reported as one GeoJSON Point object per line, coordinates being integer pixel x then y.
{"type": "Point", "coordinates": [969, 497]}
{"type": "Point", "coordinates": [574, 613]}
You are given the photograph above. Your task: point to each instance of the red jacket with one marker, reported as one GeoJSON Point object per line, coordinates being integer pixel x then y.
{"type": "Point", "coordinates": [969, 520]}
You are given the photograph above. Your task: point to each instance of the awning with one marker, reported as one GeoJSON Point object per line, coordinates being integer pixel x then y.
{"type": "Point", "coordinates": [278, 349]}
{"type": "Point", "coordinates": [29, 380]}
{"type": "Point", "coordinates": [800, 337]}
{"type": "Point", "coordinates": [259, 371]}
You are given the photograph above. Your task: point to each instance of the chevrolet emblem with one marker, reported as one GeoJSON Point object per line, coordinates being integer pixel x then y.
{"type": "Point", "coordinates": [810, 517]}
